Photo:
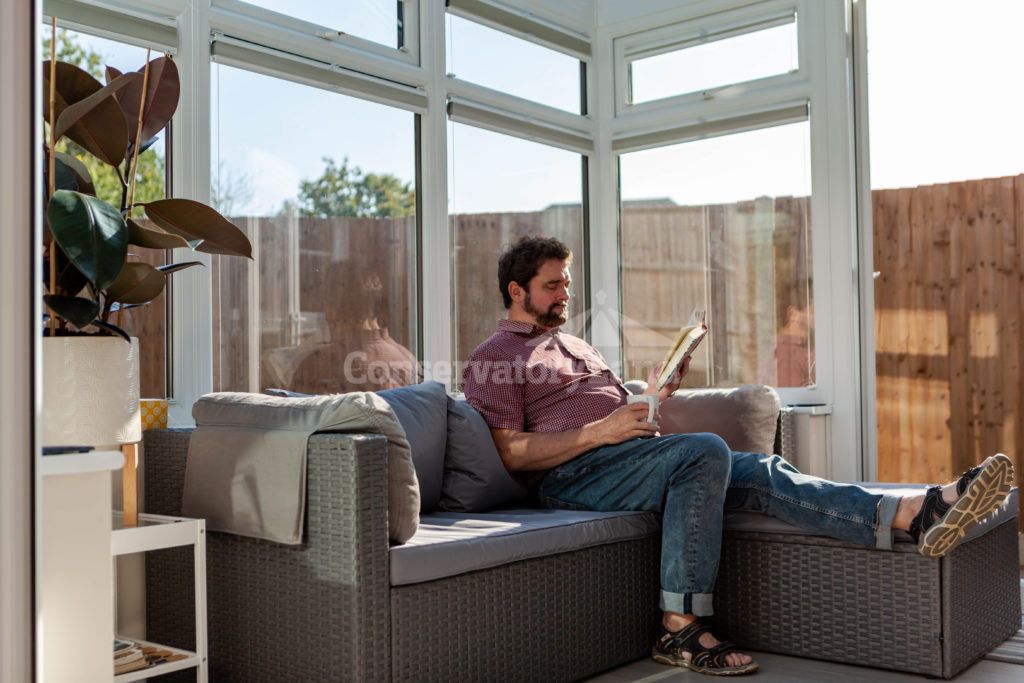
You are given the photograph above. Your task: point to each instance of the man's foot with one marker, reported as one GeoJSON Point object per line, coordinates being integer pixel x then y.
{"type": "Point", "coordinates": [942, 517]}
{"type": "Point", "coordinates": [694, 648]}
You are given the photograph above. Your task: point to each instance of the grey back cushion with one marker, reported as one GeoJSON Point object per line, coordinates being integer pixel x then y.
{"type": "Point", "coordinates": [745, 417]}
{"type": "Point", "coordinates": [422, 410]}
{"type": "Point", "coordinates": [474, 477]}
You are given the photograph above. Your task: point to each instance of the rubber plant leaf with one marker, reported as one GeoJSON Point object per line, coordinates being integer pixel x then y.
{"type": "Point", "coordinates": [76, 310]}
{"type": "Point", "coordinates": [91, 232]}
{"type": "Point", "coordinates": [195, 221]}
{"type": "Point", "coordinates": [110, 327]}
{"type": "Point", "coordinates": [175, 267]}
{"type": "Point", "coordinates": [64, 177]}
{"type": "Point", "coordinates": [80, 111]}
{"type": "Point", "coordinates": [145, 145]}
{"type": "Point", "coordinates": [142, 236]}
{"type": "Point", "coordinates": [111, 72]}
{"type": "Point", "coordinates": [82, 176]}
{"type": "Point", "coordinates": [71, 85]}
{"type": "Point", "coordinates": [162, 91]}
{"type": "Point", "coordinates": [138, 283]}
{"type": "Point", "coordinates": [70, 281]}
{"type": "Point", "coordinates": [115, 307]}
{"type": "Point", "coordinates": [97, 123]}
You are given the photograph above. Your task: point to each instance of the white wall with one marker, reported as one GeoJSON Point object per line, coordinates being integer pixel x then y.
{"type": "Point", "coordinates": [18, 310]}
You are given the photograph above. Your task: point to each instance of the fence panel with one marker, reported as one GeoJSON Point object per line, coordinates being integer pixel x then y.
{"type": "Point", "coordinates": [948, 308]}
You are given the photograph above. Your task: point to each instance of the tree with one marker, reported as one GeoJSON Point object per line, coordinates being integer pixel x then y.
{"type": "Point", "coordinates": [230, 189]}
{"type": "Point", "coordinates": [346, 191]}
{"type": "Point", "coordinates": [150, 172]}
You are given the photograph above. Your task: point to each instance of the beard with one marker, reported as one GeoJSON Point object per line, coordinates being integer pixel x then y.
{"type": "Point", "coordinates": [549, 318]}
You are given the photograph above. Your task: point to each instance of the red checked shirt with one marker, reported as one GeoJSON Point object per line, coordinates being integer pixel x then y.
{"type": "Point", "coordinates": [529, 380]}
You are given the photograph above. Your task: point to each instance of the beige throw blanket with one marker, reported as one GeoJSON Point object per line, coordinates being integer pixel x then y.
{"type": "Point", "coordinates": [246, 469]}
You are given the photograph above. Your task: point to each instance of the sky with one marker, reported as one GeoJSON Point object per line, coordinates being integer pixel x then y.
{"type": "Point", "coordinates": [946, 98]}
{"type": "Point", "coordinates": [945, 105]}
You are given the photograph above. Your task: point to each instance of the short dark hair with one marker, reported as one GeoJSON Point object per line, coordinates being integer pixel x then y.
{"type": "Point", "coordinates": [521, 261]}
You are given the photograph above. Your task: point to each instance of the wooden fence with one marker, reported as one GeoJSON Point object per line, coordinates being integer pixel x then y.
{"type": "Point", "coordinates": [743, 262]}
{"type": "Point", "coordinates": [948, 303]}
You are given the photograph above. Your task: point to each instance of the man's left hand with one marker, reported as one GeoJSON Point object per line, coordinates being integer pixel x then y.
{"type": "Point", "coordinates": [673, 383]}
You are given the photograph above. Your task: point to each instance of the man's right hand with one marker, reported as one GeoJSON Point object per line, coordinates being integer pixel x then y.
{"type": "Point", "coordinates": [625, 423]}
{"type": "Point", "coordinates": [531, 451]}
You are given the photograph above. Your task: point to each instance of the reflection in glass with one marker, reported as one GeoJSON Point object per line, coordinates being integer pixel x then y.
{"type": "Point", "coordinates": [723, 225]}
{"type": "Point", "coordinates": [480, 54]}
{"type": "Point", "coordinates": [501, 188]}
{"type": "Point", "coordinates": [738, 59]}
{"type": "Point", "coordinates": [328, 303]}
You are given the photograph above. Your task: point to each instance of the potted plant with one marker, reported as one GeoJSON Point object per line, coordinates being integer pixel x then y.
{"type": "Point", "coordinates": [90, 363]}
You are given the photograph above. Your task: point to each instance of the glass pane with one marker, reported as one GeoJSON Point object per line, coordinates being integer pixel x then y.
{"type": "Point", "coordinates": [723, 62]}
{"type": "Point", "coordinates": [376, 20]}
{"type": "Point", "coordinates": [501, 188]}
{"type": "Point", "coordinates": [721, 225]}
{"type": "Point", "coordinates": [499, 61]}
{"type": "Point", "coordinates": [149, 322]}
{"type": "Point", "coordinates": [328, 303]}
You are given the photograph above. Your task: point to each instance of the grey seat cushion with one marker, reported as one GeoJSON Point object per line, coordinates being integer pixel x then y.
{"type": "Point", "coordinates": [757, 522]}
{"type": "Point", "coordinates": [452, 543]}
{"type": "Point", "coordinates": [475, 479]}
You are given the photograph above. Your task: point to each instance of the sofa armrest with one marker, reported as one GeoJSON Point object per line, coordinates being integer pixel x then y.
{"type": "Point", "coordinates": [746, 417]}
{"type": "Point", "coordinates": [273, 610]}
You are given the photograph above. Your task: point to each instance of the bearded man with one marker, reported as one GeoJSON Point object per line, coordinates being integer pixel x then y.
{"type": "Point", "coordinates": [559, 414]}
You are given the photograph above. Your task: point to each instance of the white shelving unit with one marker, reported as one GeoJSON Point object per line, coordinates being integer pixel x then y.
{"type": "Point", "coordinates": [156, 532]}
{"type": "Point", "coordinates": [74, 569]}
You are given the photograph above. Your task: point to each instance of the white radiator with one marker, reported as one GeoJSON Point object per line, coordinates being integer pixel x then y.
{"type": "Point", "coordinates": [806, 438]}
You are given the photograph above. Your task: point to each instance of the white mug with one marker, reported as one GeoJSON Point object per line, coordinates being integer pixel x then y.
{"type": "Point", "coordinates": [650, 399]}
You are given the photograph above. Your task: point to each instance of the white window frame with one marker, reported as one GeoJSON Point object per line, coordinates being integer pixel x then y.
{"type": "Point", "coordinates": [865, 244]}
{"type": "Point", "coordinates": [823, 83]}
{"type": "Point", "coordinates": [144, 24]}
{"type": "Point", "coordinates": [490, 109]}
{"type": "Point", "coordinates": [237, 13]}
{"type": "Point", "coordinates": [698, 31]}
{"type": "Point", "coordinates": [608, 127]}
{"type": "Point", "coordinates": [415, 74]}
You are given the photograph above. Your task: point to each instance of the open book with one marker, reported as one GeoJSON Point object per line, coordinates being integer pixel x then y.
{"type": "Point", "coordinates": [685, 344]}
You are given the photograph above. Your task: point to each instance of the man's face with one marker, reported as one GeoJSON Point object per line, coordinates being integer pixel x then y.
{"type": "Point", "coordinates": [547, 295]}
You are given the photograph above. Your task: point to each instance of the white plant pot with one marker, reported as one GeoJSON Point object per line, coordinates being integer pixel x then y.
{"type": "Point", "coordinates": [90, 392]}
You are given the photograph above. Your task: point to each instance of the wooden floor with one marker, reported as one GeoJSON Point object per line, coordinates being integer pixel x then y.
{"type": "Point", "coordinates": [780, 669]}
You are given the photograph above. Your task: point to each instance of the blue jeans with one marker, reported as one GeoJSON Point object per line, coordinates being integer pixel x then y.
{"type": "Point", "coordinates": [691, 479]}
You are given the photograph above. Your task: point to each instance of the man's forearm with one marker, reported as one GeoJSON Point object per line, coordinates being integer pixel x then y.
{"type": "Point", "coordinates": [523, 451]}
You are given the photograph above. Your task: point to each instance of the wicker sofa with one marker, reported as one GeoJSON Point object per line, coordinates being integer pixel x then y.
{"type": "Point", "coordinates": [344, 606]}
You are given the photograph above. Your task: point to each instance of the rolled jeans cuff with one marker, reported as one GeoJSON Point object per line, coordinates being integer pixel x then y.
{"type": "Point", "coordinates": [699, 604]}
{"type": "Point", "coordinates": [886, 514]}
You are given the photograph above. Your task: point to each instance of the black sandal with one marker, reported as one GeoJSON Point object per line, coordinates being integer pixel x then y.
{"type": "Point", "coordinates": [932, 510]}
{"type": "Point", "coordinates": [939, 526]}
{"type": "Point", "coordinates": [672, 646]}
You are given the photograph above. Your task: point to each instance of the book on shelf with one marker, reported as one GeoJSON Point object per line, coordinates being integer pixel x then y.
{"type": "Point", "coordinates": [686, 342]}
{"type": "Point", "coordinates": [131, 656]}
{"type": "Point", "coordinates": [128, 656]}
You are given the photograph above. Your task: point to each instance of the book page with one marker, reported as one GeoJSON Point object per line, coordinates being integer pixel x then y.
{"type": "Point", "coordinates": [686, 342]}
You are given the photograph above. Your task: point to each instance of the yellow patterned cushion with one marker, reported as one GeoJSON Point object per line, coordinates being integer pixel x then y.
{"type": "Point", "coordinates": [154, 413]}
